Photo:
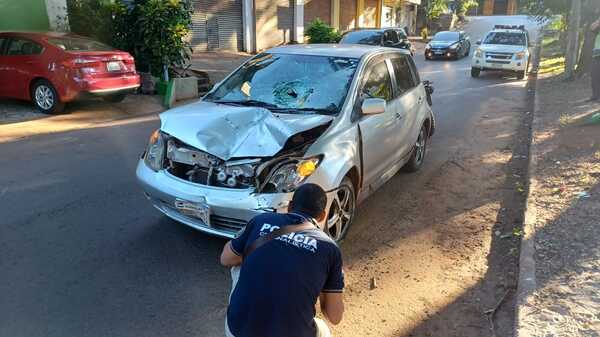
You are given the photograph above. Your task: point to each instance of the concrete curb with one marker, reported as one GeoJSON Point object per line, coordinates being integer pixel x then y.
{"type": "Point", "coordinates": [527, 280]}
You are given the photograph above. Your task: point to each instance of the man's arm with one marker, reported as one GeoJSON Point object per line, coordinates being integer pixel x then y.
{"type": "Point", "coordinates": [332, 306]}
{"type": "Point", "coordinates": [228, 257]}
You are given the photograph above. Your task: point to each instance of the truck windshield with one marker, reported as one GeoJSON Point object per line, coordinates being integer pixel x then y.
{"type": "Point", "coordinates": [513, 39]}
{"type": "Point", "coordinates": [289, 83]}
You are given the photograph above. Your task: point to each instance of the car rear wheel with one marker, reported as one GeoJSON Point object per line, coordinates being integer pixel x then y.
{"type": "Point", "coordinates": [419, 149]}
{"type": "Point", "coordinates": [45, 97]}
{"type": "Point", "coordinates": [341, 212]}
{"type": "Point", "coordinates": [115, 98]}
{"type": "Point", "coordinates": [475, 72]}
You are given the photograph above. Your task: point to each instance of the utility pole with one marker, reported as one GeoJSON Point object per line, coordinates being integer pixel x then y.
{"type": "Point", "coordinates": [573, 39]}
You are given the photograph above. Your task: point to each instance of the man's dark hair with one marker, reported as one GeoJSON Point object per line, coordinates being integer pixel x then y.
{"type": "Point", "coordinates": [309, 199]}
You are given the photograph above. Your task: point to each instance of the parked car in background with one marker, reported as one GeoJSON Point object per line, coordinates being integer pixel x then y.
{"type": "Point", "coordinates": [385, 37]}
{"type": "Point", "coordinates": [52, 69]}
{"type": "Point", "coordinates": [448, 45]}
{"type": "Point", "coordinates": [345, 117]}
{"type": "Point", "coordinates": [505, 48]}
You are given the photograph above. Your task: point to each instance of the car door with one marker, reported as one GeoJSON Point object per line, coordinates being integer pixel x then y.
{"type": "Point", "coordinates": [379, 132]}
{"type": "Point", "coordinates": [406, 102]}
{"type": "Point", "coordinates": [21, 62]}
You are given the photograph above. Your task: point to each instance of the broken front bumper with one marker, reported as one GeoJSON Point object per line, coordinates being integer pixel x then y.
{"type": "Point", "coordinates": [229, 209]}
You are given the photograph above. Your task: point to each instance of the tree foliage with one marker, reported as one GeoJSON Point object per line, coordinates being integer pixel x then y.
{"type": "Point", "coordinates": [320, 32]}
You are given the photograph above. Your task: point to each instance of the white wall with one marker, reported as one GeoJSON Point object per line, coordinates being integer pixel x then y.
{"type": "Point", "coordinates": [57, 14]}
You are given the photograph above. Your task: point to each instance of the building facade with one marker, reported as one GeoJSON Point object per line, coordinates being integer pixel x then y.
{"type": "Point", "coordinates": [255, 25]}
{"type": "Point", "coordinates": [33, 15]}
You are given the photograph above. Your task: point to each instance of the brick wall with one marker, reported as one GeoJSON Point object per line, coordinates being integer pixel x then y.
{"type": "Point", "coordinates": [347, 14]}
{"type": "Point", "coordinates": [317, 9]}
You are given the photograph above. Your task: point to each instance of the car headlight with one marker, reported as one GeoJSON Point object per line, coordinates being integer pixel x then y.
{"type": "Point", "coordinates": [290, 174]}
{"type": "Point", "coordinates": [428, 46]}
{"type": "Point", "coordinates": [520, 55]}
{"type": "Point", "coordinates": [478, 53]}
{"type": "Point", "coordinates": [453, 47]}
{"type": "Point", "coordinates": [156, 151]}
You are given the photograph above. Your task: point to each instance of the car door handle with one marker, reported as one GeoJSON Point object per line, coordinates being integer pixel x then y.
{"type": "Point", "coordinates": [420, 100]}
{"type": "Point", "coordinates": [398, 115]}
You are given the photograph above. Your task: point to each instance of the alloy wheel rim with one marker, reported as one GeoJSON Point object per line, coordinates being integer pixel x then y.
{"type": "Point", "coordinates": [44, 97]}
{"type": "Point", "coordinates": [340, 213]}
{"type": "Point", "coordinates": [420, 147]}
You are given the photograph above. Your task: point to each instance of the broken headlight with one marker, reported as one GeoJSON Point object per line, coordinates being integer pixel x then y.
{"type": "Point", "coordinates": [155, 152]}
{"type": "Point", "coordinates": [287, 176]}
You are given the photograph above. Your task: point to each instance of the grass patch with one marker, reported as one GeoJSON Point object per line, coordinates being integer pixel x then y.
{"type": "Point", "coordinates": [553, 59]}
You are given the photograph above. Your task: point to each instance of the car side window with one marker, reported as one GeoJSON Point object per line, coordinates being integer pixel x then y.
{"type": "Point", "coordinates": [23, 47]}
{"type": "Point", "coordinates": [378, 83]}
{"type": "Point", "coordinates": [3, 40]}
{"type": "Point", "coordinates": [404, 76]}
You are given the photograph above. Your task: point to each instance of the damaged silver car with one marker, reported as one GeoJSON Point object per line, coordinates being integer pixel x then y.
{"type": "Point", "coordinates": [346, 117]}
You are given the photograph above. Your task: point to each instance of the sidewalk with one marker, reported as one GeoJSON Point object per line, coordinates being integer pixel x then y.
{"type": "Point", "coordinates": [563, 267]}
{"type": "Point", "coordinates": [218, 64]}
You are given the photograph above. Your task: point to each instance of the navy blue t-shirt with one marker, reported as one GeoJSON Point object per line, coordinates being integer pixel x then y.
{"type": "Point", "coordinates": [280, 281]}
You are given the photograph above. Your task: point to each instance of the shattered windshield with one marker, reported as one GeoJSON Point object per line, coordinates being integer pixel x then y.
{"type": "Point", "coordinates": [512, 39]}
{"type": "Point", "coordinates": [289, 83]}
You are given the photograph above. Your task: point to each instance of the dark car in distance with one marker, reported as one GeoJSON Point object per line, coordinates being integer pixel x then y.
{"type": "Point", "coordinates": [385, 37]}
{"type": "Point", "coordinates": [448, 45]}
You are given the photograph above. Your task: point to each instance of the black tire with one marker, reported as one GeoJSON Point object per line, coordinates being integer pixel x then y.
{"type": "Point", "coordinates": [475, 72]}
{"type": "Point", "coordinates": [333, 213]}
{"type": "Point", "coordinates": [115, 98]}
{"type": "Point", "coordinates": [417, 157]}
{"type": "Point", "coordinates": [45, 98]}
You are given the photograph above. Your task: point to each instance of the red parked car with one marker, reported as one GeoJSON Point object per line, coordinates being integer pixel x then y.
{"type": "Point", "coordinates": [52, 69]}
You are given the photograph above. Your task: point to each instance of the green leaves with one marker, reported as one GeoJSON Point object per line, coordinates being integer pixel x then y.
{"type": "Point", "coordinates": [320, 32]}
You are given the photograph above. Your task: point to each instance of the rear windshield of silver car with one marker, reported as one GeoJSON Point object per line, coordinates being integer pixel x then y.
{"type": "Point", "coordinates": [506, 38]}
{"type": "Point", "coordinates": [78, 44]}
{"type": "Point", "coordinates": [289, 83]}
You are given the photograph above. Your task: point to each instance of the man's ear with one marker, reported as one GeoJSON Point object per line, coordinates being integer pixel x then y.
{"type": "Point", "coordinates": [322, 217]}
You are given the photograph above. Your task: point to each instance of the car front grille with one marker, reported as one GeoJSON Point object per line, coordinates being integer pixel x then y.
{"type": "Point", "coordinates": [499, 56]}
{"type": "Point", "coordinates": [227, 224]}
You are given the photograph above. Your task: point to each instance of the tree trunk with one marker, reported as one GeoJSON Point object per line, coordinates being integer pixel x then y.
{"type": "Point", "coordinates": [573, 39]}
{"type": "Point", "coordinates": [586, 51]}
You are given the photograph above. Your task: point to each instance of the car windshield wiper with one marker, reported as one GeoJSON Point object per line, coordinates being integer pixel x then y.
{"type": "Point", "coordinates": [249, 102]}
{"type": "Point", "coordinates": [323, 111]}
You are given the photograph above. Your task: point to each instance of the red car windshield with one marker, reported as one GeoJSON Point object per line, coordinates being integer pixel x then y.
{"type": "Point", "coordinates": [78, 44]}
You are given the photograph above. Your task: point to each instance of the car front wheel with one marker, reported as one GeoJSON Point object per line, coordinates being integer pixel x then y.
{"type": "Point", "coordinates": [418, 154]}
{"type": "Point", "coordinates": [341, 212]}
{"type": "Point", "coordinates": [45, 97]}
{"type": "Point", "coordinates": [475, 72]}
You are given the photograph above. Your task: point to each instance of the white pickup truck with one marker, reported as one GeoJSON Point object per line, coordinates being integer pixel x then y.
{"type": "Point", "coordinates": [505, 48]}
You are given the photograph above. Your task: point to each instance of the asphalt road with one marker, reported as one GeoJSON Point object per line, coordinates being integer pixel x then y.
{"type": "Point", "coordinates": [82, 253]}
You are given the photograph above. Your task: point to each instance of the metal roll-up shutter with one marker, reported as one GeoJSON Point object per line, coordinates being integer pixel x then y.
{"type": "Point", "coordinates": [274, 22]}
{"type": "Point", "coordinates": [199, 38]}
{"type": "Point", "coordinates": [217, 25]}
{"type": "Point", "coordinates": [230, 25]}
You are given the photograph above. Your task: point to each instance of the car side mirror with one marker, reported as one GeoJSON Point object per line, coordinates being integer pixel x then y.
{"type": "Point", "coordinates": [373, 106]}
{"type": "Point", "coordinates": [478, 42]}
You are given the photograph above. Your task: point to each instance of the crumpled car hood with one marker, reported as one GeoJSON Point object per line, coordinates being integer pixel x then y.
{"type": "Point", "coordinates": [229, 132]}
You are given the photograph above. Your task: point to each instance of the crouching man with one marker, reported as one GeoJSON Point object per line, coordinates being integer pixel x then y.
{"type": "Point", "coordinates": [287, 262]}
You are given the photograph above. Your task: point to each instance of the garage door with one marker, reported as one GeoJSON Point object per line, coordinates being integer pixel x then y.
{"type": "Point", "coordinates": [274, 22]}
{"type": "Point", "coordinates": [217, 25]}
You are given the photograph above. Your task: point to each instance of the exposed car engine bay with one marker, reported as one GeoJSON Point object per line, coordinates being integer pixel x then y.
{"type": "Point", "coordinates": [266, 174]}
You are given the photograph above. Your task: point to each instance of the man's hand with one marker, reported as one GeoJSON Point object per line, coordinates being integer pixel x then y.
{"type": "Point", "coordinates": [332, 306]}
{"type": "Point", "coordinates": [229, 258]}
